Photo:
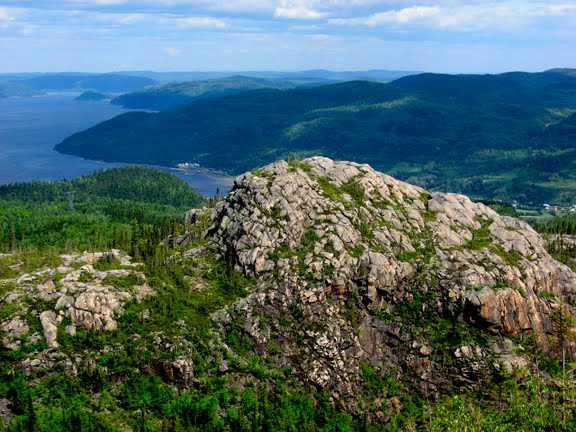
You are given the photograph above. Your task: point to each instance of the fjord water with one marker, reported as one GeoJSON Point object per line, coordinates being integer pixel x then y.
{"type": "Point", "coordinates": [31, 126]}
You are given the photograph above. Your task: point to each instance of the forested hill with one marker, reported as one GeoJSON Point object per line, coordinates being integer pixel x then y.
{"type": "Point", "coordinates": [174, 94]}
{"type": "Point", "coordinates": [135, 183]}
{"type": "Point", "coordinates": [91, 211]}
{"type": "Point", "coordinates": [491, 136]}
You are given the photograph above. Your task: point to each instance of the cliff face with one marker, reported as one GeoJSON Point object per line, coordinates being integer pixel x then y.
{"type": "Point", "coordinates": [356, 271]}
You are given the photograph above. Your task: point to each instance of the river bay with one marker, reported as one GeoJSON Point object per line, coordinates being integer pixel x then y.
{"type": "Point", "coordinates": [31, 126]}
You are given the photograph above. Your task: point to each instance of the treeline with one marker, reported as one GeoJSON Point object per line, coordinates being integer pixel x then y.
{"type": "Point", "coordinates": [558, 225]}
{"type": "Point", "coordinates": [511, 404]}
{"type": "Point", "coordinates": [559, 233]}
{"type": "Point", "coordinates": [134, 183]}
{"type": "Point", "coordinates": [94, 211]}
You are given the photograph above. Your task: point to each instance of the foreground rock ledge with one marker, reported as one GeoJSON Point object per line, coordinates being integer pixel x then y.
{"type": "Point", "coordinates": [75, 293]}
{"type": "Point", "coordinates": [355, 269]}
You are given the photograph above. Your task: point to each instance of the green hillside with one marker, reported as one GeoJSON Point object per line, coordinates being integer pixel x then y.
{"type": "Point", "coordinates": [174, 94]}
{"type": "Point", "coordinates": [92, 210]}
{"type": "Point", "coordinates": [505, 136]}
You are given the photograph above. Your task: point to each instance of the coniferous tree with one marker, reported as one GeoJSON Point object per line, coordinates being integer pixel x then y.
{"type": "Point", "coordinates": [31, 421]}
{"type": "Point", "coordinates": [135, 240]}
{"type": "Point", "coordinates": [11, 236]}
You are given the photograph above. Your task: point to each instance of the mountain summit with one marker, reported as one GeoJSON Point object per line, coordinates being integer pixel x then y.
{"type": "Point", "coordinates": [355, 269]}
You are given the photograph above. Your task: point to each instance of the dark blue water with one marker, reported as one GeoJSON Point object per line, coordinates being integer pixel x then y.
{"type": "Point", "coordinates": [31, 127]}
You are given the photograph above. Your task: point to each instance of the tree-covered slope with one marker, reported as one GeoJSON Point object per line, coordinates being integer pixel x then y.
{"type": "Point", "coordinates": [487, 135]}
{"type": "Point", "coordinates": [174, 94]}
{"type": "Point", "coordinates": [92, 210]}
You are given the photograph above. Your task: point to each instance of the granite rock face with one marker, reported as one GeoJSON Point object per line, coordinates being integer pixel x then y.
{"type": "Point", "coordinates": [76, 292]}
{"type": "Point", "coordinates": [355, 269]}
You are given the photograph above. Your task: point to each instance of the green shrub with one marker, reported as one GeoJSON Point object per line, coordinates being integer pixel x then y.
{"type": "Point", "coordinates": [108, 261]}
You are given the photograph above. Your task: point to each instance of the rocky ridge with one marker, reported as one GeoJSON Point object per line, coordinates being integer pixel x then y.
{"type": "Point", "coordinates": [73, 295]}
{"type": "Point", "coordinates": [359, 272]}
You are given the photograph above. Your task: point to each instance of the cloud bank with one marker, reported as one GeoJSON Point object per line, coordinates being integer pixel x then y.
{"type": "Point", "coordinates": [442, 35]}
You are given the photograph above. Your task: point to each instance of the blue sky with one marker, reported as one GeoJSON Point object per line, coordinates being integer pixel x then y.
{"type": "Point", "coordinates": [242, 35]}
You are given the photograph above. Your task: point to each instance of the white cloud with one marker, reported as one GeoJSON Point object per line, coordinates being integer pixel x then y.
{"type": "Point", "coordinates": [6, 15]}
{"type": "Point", "coordinates": [27, 30]}
{"type": "Point", "coordinates": [245, 6]}
{"type": "Point", "coordinates": [464, 17]}
{"type": "Point", "coordinates": [96, 24]}
{"type": "Point", "coordinates": [561, 9]}
{"type": "Point", "coordinates": [132, 18]}
{"type": "Point", "coordinates": [403, 16]}
{"type": "Point", "coordinates": [298, 12]}
{"type": "Point", "coordinates": [201, 21]}
{"type": "Point", "coordinates": [400, 16]}
{"type": "Point", "coordinates": [100, 2]}
{"type": "Point", "coordinates": [297, 9]}
{"type": "Point", "coordinates": [173, 52]}
{"type": "Point", "coordinates": [322, 37]}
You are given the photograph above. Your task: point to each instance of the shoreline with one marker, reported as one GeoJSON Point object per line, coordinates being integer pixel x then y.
{"type": "Point", "coordinates": [222, 181]}
{"type": "Point", "coordinates": [196, 170]}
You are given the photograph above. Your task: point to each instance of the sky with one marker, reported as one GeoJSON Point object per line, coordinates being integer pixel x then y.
{"type": "Point", "coordinates": [450, 36]}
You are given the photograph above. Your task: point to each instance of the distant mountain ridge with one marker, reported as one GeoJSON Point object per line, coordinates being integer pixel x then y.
{"type": "Point", "coordinates": [504, 136]}
{"type": "Point", "coordinates": [314, 74]}
{"type": "Point", "coordinates": [180, 93]}
{"type": "Point", "coordinates": [564, 71]}
{"type": "Point", "coordinates": [8, 88]}
{"type": "Point", "coordinates": [175, 94]}
{"type": "Point", "coordinates": [180, 83]}
{"type": "Point", "coordinates": [108, 82]}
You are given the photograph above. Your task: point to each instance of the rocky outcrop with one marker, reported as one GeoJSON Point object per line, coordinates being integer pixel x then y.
{"type": "Point", "coordinates": [75, 292]}
{"type": "Point", "coordinates": [13, 330]}
{"type": "Point", "coordinates": [49, 360]}
{"type": "Point", "coordinates": [355, 269]}
{"type": "Point", "coordinates": [179, 371]}
{"type": "Point", "coordinates": [50, 321]}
